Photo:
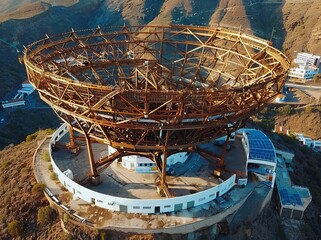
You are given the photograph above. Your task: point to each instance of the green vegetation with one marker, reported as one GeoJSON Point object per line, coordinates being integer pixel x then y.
{"type": "Point", "coordinates": [307, 230]}
{"type": "Point", "coordinates": [280, 232]}
{"type": "Point", "coordinates": [266, 124]}
{"type": "Point", "coordinates": [23, 170]}
{"type": "Point", "coordinates": [289, 139]}
{"type": "Point", "coordinates": [50, 167]}
{"type": "Point", "coordinates": [45, 215]}
{"type": "Point", "coordinates": [46, 156]}
{"type": "Point", "coordinates": [4, 164]}
{"type": "Point", "coordinates": [102, 236]}
{"type": "Point", "coordinates": [15, 228]}
{"type": "Point", "coordinates": [53, 176]}
{"type": "Point", "coordinates": [285, 111]}
{"type": "Point", "coordinates": [66, 217]}
{"type": "Point", "coordinates": [2, 180]}
{"type": "Point", "coordinates": [308, 109]}
{"type": "Point", "coordinates": [38, 188]}
{"type": "Point", "coordinates": [39, 134]}
{"type": "Point", "coordinates": [31, 137]}
{"type": "Point", "coordinates": [65, 236]}
{"type": "Point", "coordinates": [265, 119]}
{"type": "Point", "coordinates": [23, 123]}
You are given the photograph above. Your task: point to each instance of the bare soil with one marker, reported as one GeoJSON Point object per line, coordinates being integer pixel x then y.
{"type": "Point", "coordinates": [308, 123]}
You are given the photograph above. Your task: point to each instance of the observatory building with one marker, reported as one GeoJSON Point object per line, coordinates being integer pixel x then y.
{"type": "Point", "coordinates": [150, 113]}
{"type": "Point", "coordinates": [251, 153]}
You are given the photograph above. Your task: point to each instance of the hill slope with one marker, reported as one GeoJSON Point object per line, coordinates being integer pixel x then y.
{"type": "Point", "coordinates": [18, 200]}
{"type": "Point", "coordinates": [293, 25]}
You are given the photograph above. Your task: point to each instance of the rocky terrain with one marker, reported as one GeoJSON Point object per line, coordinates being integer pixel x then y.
{"type": "Point", "coordinates": [306, 122]}
{"type": "Point", "coordinates": [292, 25]}
{"type": "Point", "coordinates": [20, 202]}
{"type": "Point", "coordinates": [13, 9]}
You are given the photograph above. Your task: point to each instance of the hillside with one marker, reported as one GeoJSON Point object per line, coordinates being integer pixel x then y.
{"type": "Point", "coordinates": [20, 202]}
{"type": "Point", "coordinates": [14, 9]}
{"type": "Point", "coordinates": [307, 122]}
{"type": "Point", "coordinates": [23, 122]}
{"type": "Point", "coordinates": [302, 24]}
{"type": "Point", "coordinates": [297, 23]}
{"type": "Point", "coordinates": [291, 24]}
{"type": "Point", "coordinates": [306, 164]}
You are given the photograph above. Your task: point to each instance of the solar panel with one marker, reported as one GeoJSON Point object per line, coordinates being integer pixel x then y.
{"type": "Point", "coordinates": [289, 198]}
{"type": "Point", "coordinates": [298, 199]}
{"type": "Point", "coordinates": [260, 146]}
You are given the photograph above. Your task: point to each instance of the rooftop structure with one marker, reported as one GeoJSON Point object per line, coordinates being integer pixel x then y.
{"type": "Point", "coordinates": [27, 88]}
{"type": "Point", "coordinates": [293, 199]}
{"type": "Point", "coordinates": [261, 157]}
{"type": "Point", "coordinates": [306, 66]}
{"type": "Point", "coordinates": [259, 145]}
{"type": "Point", "coordinates": [154, 91]}
{"type": "Point", "coordinates": [13, 103]}
{"type": "Point", "coordinates": [286, 156]}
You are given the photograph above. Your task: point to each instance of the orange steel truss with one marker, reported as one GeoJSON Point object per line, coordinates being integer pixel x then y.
{"type": "Point", "coordinates": [154, 90]}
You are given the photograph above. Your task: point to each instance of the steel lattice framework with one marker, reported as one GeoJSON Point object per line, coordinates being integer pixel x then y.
{"type": "Point", "coordinates": [154, 90]}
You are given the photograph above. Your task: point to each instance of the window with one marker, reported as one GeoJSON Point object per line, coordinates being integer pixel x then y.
{"type": "Point", "coordinates": [136, 207]}
{"type": "Point", "coordinates": [167, 206]}
{"type": "Point", "coordinates": [146, 207]}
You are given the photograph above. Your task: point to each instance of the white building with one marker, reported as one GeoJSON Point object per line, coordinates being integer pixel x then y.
{"type": "Point", "coordinates": [286, 156]}
{"type": "Point", "coordinates": [308, 142]}
{"type": "Point", "coordinates": [307, 65]}
{"type": "Point", "coordinates": [141, 164]}
{"type": "Point", "coordinates": [316, 145]}
{"type": "Point", "coordinates": [27, 88]}
{"type": "Point", "coordinates": [293, 200]}
{"type": "Point", "coordinates": [13, 103]}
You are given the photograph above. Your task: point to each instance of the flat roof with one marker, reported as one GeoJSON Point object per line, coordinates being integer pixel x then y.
{"type": "Point", "coordinates": [260, 146]}
{"type": "Point", "coordinates": [290, 195]}
{"type": "Point", "coordinates": [192, 176]}
{"type": "Point", "coordinates": [120, 220]}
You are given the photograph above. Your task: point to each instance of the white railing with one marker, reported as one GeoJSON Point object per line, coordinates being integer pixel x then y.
{"type": "Point", "coordinates": [135, 205]}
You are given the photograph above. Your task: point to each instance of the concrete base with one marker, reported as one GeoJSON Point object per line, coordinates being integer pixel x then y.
{"type": "Point", "coordinates": [160, 191]}
{"type": "Point", "coordinates": [95, 180]}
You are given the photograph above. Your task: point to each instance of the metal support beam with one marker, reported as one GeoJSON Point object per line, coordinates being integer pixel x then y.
{"type": "Point", "coordinates": [72, 144]}
{"type": "Point", "coordinates": [163, 89]}
{"type": "Point", "coordinates": [93, 170]}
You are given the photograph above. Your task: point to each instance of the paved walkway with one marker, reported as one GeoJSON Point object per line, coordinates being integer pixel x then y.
{"type": "Point", "coordinates": [42, 172]}
{"type": "Point", "coordinates": [121, 182]}
{"type": "Point", "coordinates": [180, 222]}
